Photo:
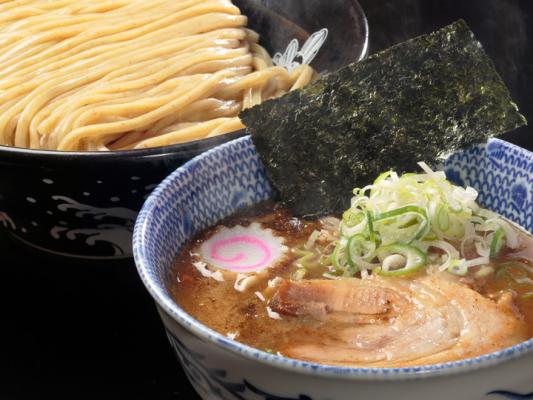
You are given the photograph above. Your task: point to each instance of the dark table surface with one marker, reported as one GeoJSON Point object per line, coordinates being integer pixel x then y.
{"type": "Point", "coordinates": [80, 331]}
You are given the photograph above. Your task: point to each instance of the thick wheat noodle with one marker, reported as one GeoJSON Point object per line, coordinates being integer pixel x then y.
{"type": "Point", "coordinates": [68, 140]}
{"type": "Point", "coordinates": [75, 80]}
{"type": "Point", "coordinates": [161, 75]}
{"type": "Point", "coordinates": [124, 53]}
{"type": "Point", "coordinates": [102, 98]}
{"type": "Point", "coordinates": [177, 47]}
{"type": "Point", "coordinates": [129, 74]}
{"type": "Point", "coordinates": [182, 135]}
{"type": "Point", "coordinates": [52, 113]}
{"type": "Point", "coordinates": [91, 41]}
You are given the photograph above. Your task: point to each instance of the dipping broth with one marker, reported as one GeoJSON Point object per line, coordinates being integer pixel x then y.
{"type": "Point", "coordinates": [269, 280]}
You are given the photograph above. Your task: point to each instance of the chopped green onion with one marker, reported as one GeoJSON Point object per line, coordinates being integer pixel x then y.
{"type": "Point", "coordinates": [422, 211]}
{"type": "Point", "coordinates": [511, 237]}
{"type": "Point", "coordinates": [452, 255]}
{"type": "Point", "coordinates": [370, 226]}
{"type": "Point", "coordinates": [496, 242]}
{"type": "Point", "coordinates": [339, 257]}
{"type": "Point", "coordinates": [379, 179]}
{"type": "Point", "coordinates": [352, 219]}
{"type": "Point", "coordinates": [414, 259]}
{"type": "Point", "coordinates": [306, 258]}
{"type": "Point", "coordinates": [406, 210]}
{"type": "Point", "coordinates": [443, 219]}
{"type": "Point", "coordinates": [353, 249]}
{"type": "Point", "coordinates": [382, 177]}
{"type": "Point", "coordinates": [409, 223]}
{"type": "Point", "coordinates": [458, 267]}
{"type": "Point", "coordinates": [299, 274]}
{"type": "Point", "coordinates": [358, 249]}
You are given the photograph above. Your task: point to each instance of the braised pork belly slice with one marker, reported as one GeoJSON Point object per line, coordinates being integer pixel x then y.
{"type": "Point", "coordinates": [342, 299]}
{"type": "Point", "coordinates": [395, 321]}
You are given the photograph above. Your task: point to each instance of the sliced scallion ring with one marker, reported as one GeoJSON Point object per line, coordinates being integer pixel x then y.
{"type": "Point", "coordinates": [359, 249]}
{"type": "Point", "coordinates": [339, 258]}
{"type": "Point", "coordinates": [452, 255]}
{"type": "Point", "coordinates": [351, 218]}
{"type": "Point", "coordinates": [403, 211]}
{"type": "Point", "coordinates": [496, 242]}
{"type": "Point", "coordinates": [414, 259]}
{"type": "Point", "coordinates": [458, 267]}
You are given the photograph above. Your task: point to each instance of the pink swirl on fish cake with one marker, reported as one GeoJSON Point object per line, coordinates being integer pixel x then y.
{"type": "Point", "coordinates": [242, 249]}
{"type": "Point", "coordinates": [240, 256]}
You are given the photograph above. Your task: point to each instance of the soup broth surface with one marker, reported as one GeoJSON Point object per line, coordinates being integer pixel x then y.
{"type": "Point", "coordinates": [260, 316]}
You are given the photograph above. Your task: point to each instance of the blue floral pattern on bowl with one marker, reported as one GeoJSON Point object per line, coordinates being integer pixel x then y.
{"type": "Point", "coordinates": [214, 381]}
{"type": "Point", "coordinates": [209, 191]}
{"type": "Point", "coordinates": [217, 183]}
{"type": "Point", "coordinates": [503, 175]}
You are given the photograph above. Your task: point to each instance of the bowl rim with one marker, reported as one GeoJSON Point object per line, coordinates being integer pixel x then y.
{"type": "Point", "coordinates": [176, 148]}
{"type": "Point", "coordinates": [160, 294]}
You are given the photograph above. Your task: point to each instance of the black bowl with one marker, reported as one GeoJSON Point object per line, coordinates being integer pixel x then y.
{"type": "Point", "coordinates": [84, 204]}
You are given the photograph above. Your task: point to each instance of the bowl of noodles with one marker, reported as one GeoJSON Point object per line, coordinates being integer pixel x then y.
{"type": "Point", "coordinates": [101, 100]}
{"type": "Point", "coordinates": [253, 311]}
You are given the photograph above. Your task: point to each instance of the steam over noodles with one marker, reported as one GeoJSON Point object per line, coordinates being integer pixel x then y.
{"type": "Point", "coordinates": [126, 74]}
{"type": "Point", "coordinates": [414, 272]}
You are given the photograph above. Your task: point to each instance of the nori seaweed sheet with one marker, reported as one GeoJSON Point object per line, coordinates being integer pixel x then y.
{"type": "Point", "coordinates": [416, 101]}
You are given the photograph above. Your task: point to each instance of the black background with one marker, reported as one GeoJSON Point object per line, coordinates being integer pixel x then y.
{"type": "Point", "coordinates": [90, 331]}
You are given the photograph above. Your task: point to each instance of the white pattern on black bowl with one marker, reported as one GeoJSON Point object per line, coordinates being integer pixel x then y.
{"type": "Point", "coordinates": [84, 204]}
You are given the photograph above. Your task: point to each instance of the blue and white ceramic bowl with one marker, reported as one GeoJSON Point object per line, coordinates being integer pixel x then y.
{"type": "Point", "coordinates": [217, 183]}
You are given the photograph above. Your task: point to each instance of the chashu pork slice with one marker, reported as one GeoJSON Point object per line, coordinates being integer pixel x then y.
{"type": "Point", "coordinates": [395, 321]}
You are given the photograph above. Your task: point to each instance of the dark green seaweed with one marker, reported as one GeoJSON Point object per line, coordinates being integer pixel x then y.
{"type": "Point", "coordinates": [417, 101]}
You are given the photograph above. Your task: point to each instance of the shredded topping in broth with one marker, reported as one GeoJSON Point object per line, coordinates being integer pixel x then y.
{"type": "Point", "coordinates": [457, 281]}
